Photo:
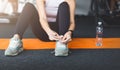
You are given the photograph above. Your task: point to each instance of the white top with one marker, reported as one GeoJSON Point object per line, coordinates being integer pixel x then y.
{"type": "Point", "coordinates": [51, 7]}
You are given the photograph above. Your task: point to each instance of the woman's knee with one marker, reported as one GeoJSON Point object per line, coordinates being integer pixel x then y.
{"type": "Point", "coordinates": [64, 8]}
{"type": "Point", "coordinates": [64, 5]}
{"type": "Point", "coordinates": [29, 6]}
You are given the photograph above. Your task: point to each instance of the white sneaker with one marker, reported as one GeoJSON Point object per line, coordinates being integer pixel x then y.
{"type": "Point", "coordinates": [15, 47]}
{"type": "Point", "coordinates": [61, 49]}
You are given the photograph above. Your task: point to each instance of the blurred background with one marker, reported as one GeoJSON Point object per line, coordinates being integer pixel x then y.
{"type": "Point", "coordinates": [12, 7]}
{"type": "Point", "coordinates": [83, 7]}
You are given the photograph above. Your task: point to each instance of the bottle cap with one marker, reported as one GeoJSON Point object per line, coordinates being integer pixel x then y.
{"type": "Point", "coordinates": [99, 23]}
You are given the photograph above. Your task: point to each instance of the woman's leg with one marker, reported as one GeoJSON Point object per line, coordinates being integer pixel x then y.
{"type": "Point", "coordinates": [63, 18]}
{"type": "Point", "coordinates": [30, 16]}
{"type": "Point", "coordinates": [63, 21]}
{"type": "Point", "coordinates": [24, 20]}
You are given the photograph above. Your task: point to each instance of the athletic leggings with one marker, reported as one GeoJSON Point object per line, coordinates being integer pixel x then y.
{"type": "Point", "coordinates": [30, 16]}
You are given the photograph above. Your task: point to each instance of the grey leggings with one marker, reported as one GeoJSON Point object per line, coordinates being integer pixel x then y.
{"type": "Point", "coordinates": [30, 16]}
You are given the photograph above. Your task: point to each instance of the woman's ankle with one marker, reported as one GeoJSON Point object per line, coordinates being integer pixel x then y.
{"type": "Point", "coordinates": [16, 36]}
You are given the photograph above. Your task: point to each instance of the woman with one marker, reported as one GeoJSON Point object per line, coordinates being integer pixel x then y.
{"type": "Point", "coordinates": [53, 20]}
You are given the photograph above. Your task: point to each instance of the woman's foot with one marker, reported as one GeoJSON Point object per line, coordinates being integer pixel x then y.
{"type": "Point", "coordinates": [15, 47]}
{"type": "Point", "coordinates": [61, 49]}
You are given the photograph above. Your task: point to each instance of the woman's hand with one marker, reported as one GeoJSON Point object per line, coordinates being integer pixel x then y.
{"type": "Point", "coordinates": [53, 35]}
{"type": "Point", "coordinates": [67, 37]}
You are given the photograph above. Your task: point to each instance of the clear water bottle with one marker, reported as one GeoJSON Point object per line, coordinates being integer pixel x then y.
{"type": "Point", "coordinates": [99, 34]}
{"type": "Point", "coordinates": [118, 3]}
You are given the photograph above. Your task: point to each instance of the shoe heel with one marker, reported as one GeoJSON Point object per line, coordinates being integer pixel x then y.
{"type": "Point", "coordinates": [61, 53]}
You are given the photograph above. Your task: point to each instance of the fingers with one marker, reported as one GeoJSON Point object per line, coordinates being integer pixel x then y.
{"type": "Point", "coordinates": [54, 36]}
{"type": "Point", "coordinates": [66, 39]}
{"type": "Point", "coordinates": [60, 37]}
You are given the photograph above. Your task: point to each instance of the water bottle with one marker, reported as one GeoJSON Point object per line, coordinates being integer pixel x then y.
{"type": "Point", "coordinates": [118, 5]}
{"type": "Point", "coordinates": [99, 33]}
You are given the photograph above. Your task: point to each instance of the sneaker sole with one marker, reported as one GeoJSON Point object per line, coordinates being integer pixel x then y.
{"type": "Point", "coordinates": [61, 53]}
{"type": "Point", "coordinates": [19, 51]}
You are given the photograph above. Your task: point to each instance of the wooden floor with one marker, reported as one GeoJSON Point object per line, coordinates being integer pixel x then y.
{"type": "Point", "coordinates": [77, 43]}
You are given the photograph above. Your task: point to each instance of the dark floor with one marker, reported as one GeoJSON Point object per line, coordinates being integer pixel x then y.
{"type": "Point", "coordinates": [77, 60]}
